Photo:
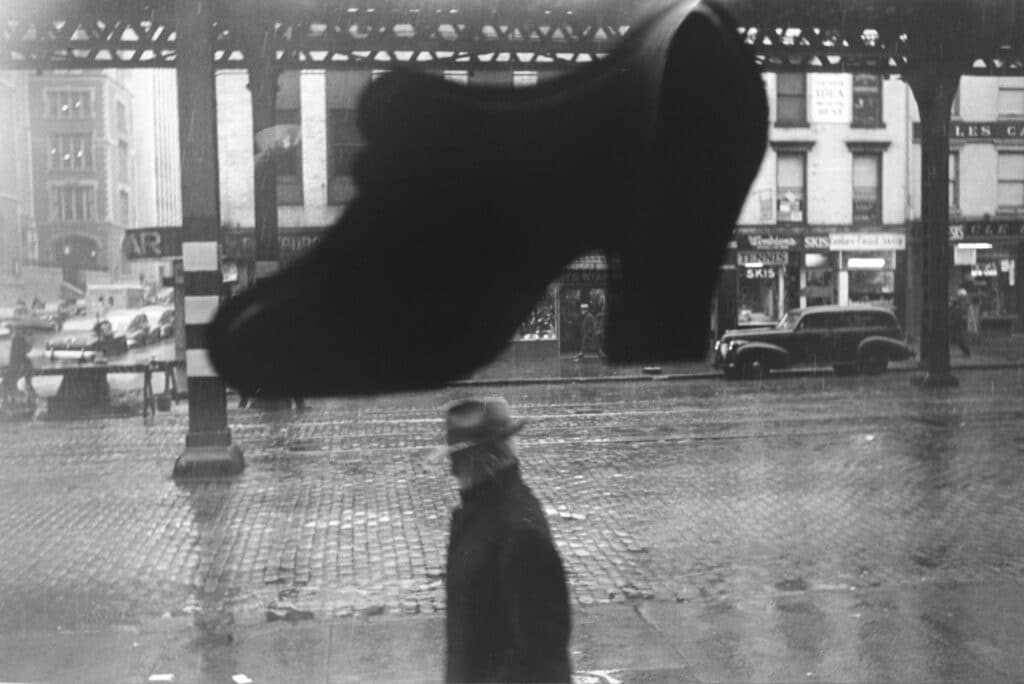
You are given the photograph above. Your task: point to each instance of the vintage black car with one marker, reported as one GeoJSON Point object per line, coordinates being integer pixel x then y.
{"type": "Point", "coordinates": [850, 338]}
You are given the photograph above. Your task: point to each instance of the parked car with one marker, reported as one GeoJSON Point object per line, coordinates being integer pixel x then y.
{"type": "Point", "coordinates": [132, 324]}
{"type": "Point", "coordinates": [161, 321]}
{"type": "Point", "coordinates": [850, 338]}
{"type": "Point", "coordinates": [84, 338]}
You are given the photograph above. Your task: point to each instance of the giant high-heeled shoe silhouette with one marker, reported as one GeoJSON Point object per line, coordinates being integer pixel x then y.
{"type": "Point", "coordinates": [472, 199]}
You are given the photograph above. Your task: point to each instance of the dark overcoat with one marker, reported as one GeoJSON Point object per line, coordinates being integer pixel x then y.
{"type": "Point", "coordinates": [508, 605]}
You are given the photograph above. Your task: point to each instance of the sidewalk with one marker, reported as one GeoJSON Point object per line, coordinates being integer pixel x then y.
{"type": "Point", "coordinates": [993, 351]}
{"type": "Point", "coordinates": [923, 632]}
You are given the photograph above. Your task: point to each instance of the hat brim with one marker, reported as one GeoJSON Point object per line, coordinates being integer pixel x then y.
{"type": "Point", "coordinates": [446, 451]}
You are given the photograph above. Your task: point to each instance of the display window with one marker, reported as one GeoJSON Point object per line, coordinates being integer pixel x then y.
{"type": "Point", "coordinates": [540, 324]}
{"type": "Point", "coordinates": [758, 295]}
{"type": "Point", "coordinates": [819, 286]}
{"type": "Point", "coordinates": [872, 277]}
{"type": "Point", "coordinates": [570, 317]}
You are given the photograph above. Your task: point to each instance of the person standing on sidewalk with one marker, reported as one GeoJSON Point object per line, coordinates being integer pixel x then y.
{"type": "Point", "coordinates": [508, 605]}
{"type": "Point", "coordinates": [18, 366]}
{"type": "Point", "coordinates": [588, 333]}
{"type": "Point", "coordinates": [958, 322]}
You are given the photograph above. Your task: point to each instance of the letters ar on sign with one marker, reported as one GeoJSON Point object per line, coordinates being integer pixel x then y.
{"type": "Point", "coordinates": [152, 243]}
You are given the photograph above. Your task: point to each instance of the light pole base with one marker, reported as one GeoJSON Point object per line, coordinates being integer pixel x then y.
{"type": "Point", "coordinates": [934, 379]}
{"type": "Point", "coordinates": [209, 461]}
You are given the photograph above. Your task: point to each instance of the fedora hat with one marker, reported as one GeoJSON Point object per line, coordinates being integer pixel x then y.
{"type": "Point", "coordinates": [471, 422]}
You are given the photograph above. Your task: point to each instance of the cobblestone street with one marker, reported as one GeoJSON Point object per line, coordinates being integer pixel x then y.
{"type": "Point", "coordinates": [658, 491]}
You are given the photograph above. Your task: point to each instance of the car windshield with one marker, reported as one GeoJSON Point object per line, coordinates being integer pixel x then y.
{"type": "Point", "coordinates": [789, 321]}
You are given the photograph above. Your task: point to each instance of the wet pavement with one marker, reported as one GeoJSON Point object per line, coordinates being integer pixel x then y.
{"type": "Point", "coordinates": [803, 528]}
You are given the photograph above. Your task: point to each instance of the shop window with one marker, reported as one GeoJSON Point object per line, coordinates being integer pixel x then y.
{"type": "Point", "coordinates": [1011, 100]}
{"type": "Point", "coordinates": [288, 162]}
{"type": "Point", "coordinates": [71, 152]}
{"type": "Point", "coordinates": [69, 104]}
{"type": "Point", "coordinates": [791, 192]}
{"type": "Point", "coordinates": [791, 100]}
{"type": "Point", "coordinates": [72, 203]}
{"type": "Point", "coordinates": [1011, 180]}
{"type": "Point", "coordinates": [867, 100]}
{"type": "Point", "coordinates": [867, 191]}
{"type": "Point", "coordinates": [954, 181]}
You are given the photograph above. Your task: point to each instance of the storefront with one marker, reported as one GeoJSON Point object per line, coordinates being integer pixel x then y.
{"type": "Point", "coordinates": [869, 267]}
{"type": "Point", "coordinates": [767, 275]}
{"type": "Point", "coordinates": [987, 258]}
{"type": "Point", "coordinates": [584, 282]}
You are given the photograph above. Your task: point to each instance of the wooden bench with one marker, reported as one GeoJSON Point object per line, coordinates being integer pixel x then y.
{"type": "Point", "coordinates": [84, 386]}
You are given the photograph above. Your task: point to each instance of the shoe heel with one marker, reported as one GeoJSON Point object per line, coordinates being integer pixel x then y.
{"type": "Point", "coordinates": [663, 276]}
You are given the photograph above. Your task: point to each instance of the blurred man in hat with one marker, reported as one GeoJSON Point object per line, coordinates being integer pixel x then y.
{"type": "Point", "coordinates": [508, 605]}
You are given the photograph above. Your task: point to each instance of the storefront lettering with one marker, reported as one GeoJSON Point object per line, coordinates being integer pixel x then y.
{"type": "Point", "coordinates": [759, 273]}
{"type": "Point", "coordinates": [768, 242]}
{"type": "Point", "coordinates": [854, 242]}
{"type": "Point", "coordinates": [977, 229]}
{"type": "Point", "coordinates": [768, 258]}
{"type": "Point", "coordinates": [981, 130]}
{"type": "Point", "coordinates": [816, 242]}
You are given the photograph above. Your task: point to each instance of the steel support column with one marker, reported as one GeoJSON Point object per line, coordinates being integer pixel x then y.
{"type": "Point", "coordinates": [263, 73]}
{"type": "Point", "coordinates": [208, 447]}
{"type": "Point", "coordinates": [934, 82]}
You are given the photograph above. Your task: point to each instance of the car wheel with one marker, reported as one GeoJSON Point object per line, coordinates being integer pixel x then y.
{"type": "Point", "coordinates": [873, 363]}
{"type": "Point", "coordinates": [753, 369]}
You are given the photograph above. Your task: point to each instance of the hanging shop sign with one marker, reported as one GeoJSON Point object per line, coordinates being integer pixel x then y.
{"type": "Point", "coordinates": [767, 242]}
{"type": "Point", "coordinates": [989, 229]}
{"type": "Point", "coordinates": [981, 130]}
{"type": "Point", "coordinates": [985, 269]}
{"type": "Point", "coordinates": [866, 242]}
{"type": "Point", "coordinates": [763, 258]}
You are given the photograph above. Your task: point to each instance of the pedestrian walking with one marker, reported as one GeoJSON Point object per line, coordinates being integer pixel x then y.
{"type": "Point", "coordinates": [958, 322]}
{"type": "Point", "coordinates": [588, 333]}
{"type": "Point", "coordinates": [18, 366]}
{"type": "Point", "coordinates": [508, 607]}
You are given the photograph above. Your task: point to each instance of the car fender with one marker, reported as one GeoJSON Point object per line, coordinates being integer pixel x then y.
{"type": "Point", "coordinates": [895, 350]}
{"type": "Point", "coordinates": [772, 354]}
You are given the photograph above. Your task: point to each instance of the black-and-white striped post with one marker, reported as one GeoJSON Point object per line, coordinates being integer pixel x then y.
{"type": "Point", "coordinates": [208, 447]}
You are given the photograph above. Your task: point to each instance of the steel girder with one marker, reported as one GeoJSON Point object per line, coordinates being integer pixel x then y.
{"type": "Point", "coordinates": [797, 35]}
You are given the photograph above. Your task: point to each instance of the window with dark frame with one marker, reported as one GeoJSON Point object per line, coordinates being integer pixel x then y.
{"type": "Point", "coordinates": [73, 203]}
{"type": "Point", "coordinates": [867, 190]}
{"type": "Point", "coordinates": [71, 152]}
{"type": "Point", "coordinates": [1011, 180]}
{"type": "Point", "coordinates": [125, 207]}
{"type": "Point", "coordinates": [122, 117]}
{"type": "Point", "coordinates": [867, 100]}
{"type": "Point", "coordinates": [288, 162]}
{"type": "Point", "coordinates": [122, 161]}
{"type": "Point", "coordinates": [954, 181]}
{"type": "Point", "coordinates": [1011, 101]}
{"type": "Point", "coordinates": [791, 191]}
{"type": "Point", "coordinates": [791, 100]}
{"type": "Point", "coordinates": [69, 104]}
